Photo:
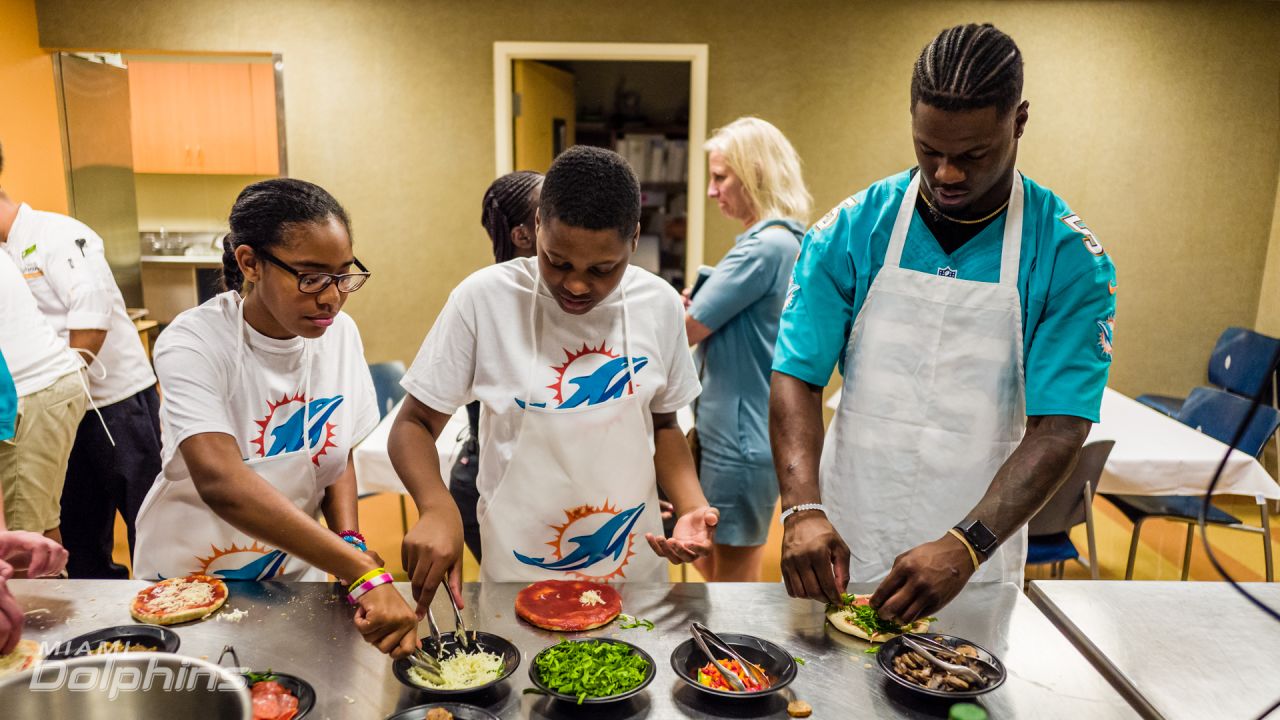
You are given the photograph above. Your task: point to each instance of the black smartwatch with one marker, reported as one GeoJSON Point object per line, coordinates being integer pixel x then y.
{"type": "Point", "coordinates": [979, 536]}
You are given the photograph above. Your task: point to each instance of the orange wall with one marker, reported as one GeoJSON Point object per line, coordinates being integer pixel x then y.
{"type": "Point", "coordinates": [29, 131]}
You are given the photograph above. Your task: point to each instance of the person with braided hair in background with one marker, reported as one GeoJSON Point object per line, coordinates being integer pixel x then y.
{"type": "Point", "coordinates": [970, 311]}
{"type": "Point", "coordinates": [507, 215]}
{"type": "Point", "coordinates": [266, 392]}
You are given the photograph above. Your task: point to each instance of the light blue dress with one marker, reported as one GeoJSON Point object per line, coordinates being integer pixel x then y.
{"type": "Point", "coordinates": [8, 402]}
{"type": "Point", "coordinates": [741, 303]}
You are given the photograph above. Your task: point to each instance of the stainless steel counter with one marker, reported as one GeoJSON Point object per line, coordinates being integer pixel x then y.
{"type": "Point", "coordinates": [1175, 649]}
{"type": "Point", "coordinates": [305, 629]}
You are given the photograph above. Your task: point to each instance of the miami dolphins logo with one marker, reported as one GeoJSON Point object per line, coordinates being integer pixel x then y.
{"type": "Point", "coordinates": [282, 430]}
{"type": "Point", "coordinates": [592, 376]}
{"type": "Point", "coordinates": [601, 541]}
{"type": "Point", "coordinates": [1105, 330]}
{"type": "Point", "coordinates": [254, 562]}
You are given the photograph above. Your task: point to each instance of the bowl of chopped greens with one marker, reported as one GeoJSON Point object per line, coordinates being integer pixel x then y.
{"type": "Point", "coordinates": [697, 671]}
{"type": "Point", "coordinates": [590, 671]}
{"type": "Point", "coordinates": [487, 661]}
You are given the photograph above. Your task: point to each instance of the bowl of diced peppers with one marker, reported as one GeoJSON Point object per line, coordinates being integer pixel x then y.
{"type": "Point", "coordinates": [696, 669]}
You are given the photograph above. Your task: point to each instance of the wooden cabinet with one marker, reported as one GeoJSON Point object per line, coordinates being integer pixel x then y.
{"type": "Point", "coordinates": [204, 118]}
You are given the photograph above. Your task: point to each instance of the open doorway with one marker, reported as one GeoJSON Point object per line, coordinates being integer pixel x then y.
{"type": "Point", "coordinates": [646, 102]}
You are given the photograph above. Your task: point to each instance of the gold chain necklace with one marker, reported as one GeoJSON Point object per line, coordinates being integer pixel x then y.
{"type": "Point", "coordinates": [925, 196]}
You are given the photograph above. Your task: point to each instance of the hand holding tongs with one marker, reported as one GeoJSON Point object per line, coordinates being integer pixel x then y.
{"type": "Point", "coordinates": [927, 650]}
{"type": "Point", "coordinates": [702, 636]}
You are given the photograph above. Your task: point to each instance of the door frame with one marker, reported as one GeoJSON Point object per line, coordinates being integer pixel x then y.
{"type": "Point", "coordinates": [694, 54]}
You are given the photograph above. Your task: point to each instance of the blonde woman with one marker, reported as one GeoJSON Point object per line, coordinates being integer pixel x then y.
{"type": "Point", "coordinates": [733, 318]}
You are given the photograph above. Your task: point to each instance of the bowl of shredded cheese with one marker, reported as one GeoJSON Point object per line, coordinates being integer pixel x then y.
{"type": "Point", "coordinates": [487, 661]}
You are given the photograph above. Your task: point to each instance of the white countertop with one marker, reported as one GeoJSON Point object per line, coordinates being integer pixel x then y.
{"type": "Point", "coordinates": [200, 259]}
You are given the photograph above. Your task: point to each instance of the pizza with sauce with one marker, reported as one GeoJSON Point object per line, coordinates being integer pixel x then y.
{"type": "Point", "coordinates": [568, 605]}
{"type": "Point", "coordinates": [179, 600]}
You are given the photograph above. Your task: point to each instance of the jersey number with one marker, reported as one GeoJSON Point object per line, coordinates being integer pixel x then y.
{"type": "Point", "coordinates": [1090, 240]}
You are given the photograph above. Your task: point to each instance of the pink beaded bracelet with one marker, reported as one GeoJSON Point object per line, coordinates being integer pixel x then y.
{"type": "Point", "coordinates": [368, 585]}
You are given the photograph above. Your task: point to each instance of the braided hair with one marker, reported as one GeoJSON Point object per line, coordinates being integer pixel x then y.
{"type": "Point", "coordinates": [508, 204]}
{"type": "Point", "coordinates": [265, 211]}
{"type": "Point", "coordinates": [967, 67]}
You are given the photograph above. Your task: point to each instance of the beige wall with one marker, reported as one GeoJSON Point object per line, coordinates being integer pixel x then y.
{"type": "Point", "coordinates": [1269, 303]}
{"type": "Point", "coordinates": [1157, 121]}
{"type": "Point", "coordinates": [188, 203]}
{"type": "Point", "coordinates": [29, 130]}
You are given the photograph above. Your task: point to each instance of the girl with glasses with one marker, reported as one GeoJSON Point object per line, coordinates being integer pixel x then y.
{"type": "Point", "coordinates": [266, 391]}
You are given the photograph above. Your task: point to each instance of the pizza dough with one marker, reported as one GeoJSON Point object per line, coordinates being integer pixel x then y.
{"type": "Point", "coordinates": [26, 654]}
{"type": "Point", "coordinates": [179, 600]}
{"type": "Point", "coordinates": [838, 617]}
{"type": "Point", "coordinates": [568, 605]}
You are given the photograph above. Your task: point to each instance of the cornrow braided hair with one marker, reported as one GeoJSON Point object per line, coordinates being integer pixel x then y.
{"type": "Point", "coordinates": [507, 205]}
{"type": "Point", "coordinates": [968, 67]}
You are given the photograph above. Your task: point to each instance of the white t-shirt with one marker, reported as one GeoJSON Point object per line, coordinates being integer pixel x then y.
{"type": "Point", "coordinates": [479, 349]}
{"type": "Point", "coordinates": [66, 269]}
{"type": "Point", "coordinates": [35, 355]}
{"type": "Point", "coordinates": [260, 403]}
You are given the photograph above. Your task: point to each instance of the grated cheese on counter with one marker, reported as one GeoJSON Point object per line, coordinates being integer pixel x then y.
{"type": "Point", "coordinates": [230, 615]}
{"type": "Point", "coordinates": [591, 597]}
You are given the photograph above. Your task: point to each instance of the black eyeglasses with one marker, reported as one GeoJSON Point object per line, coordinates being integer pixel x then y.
{"type": "Point", "coordinates": [315, 282]}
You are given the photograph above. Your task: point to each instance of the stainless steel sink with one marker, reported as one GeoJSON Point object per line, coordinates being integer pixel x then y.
{"type": "Point", "coordinates": [136, 685]}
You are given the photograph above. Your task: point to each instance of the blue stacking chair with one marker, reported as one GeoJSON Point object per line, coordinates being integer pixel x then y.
{"type": "Point", "coordinates": [1218, 414]}
{"type": "Point", "coordinates": [386, 387]}
{"type": "Point", "coordinates": [386, 384]}
{"type": "Point", "coordinates": [1049, 542]}
{"type": "Point", "coordinates": [1239, 363]}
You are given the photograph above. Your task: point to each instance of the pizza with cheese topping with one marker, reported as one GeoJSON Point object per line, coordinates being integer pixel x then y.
{"type": "Point", "coordinates": [26, 654]}
{"type": "Point", "coordinates": [179, 600]}
{"type": "Point", "coordinates": [568, 605]}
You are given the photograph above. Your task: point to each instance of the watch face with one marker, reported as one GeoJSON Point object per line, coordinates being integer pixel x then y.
{"type": "Point", "coordinates": [981, 536]}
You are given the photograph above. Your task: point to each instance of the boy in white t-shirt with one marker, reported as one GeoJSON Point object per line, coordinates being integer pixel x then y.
{"type": "Point", "coordinates": [578, 390]}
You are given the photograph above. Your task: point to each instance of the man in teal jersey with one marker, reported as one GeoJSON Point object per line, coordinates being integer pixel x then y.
{"type": "Point", "coordinates": [970, 312]}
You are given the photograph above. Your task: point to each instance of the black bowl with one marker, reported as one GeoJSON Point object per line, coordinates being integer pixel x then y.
{"type": "Point", "coordinates": [460, 712]}
{"type": "Point", "coordinates": [300, 689]}
{"type": "Point", "coordinates": [895, 646]}
{"type": "Point", "coordinates": [635, 650]}
{"type": "Point", "coordinates": [487, 642]}
{"type": "Point", "coordinates": [777, 664]}
{"type": "Point", "coordinates": [162, 638]}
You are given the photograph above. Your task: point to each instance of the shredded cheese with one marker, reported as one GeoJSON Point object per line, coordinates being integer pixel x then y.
{"type": "Point", "coordinates": [463, 670]}
{"type": "Point", "coordinates": [591, 597]}
{"type": "Point", "coordinates": [230, 615]}
{"type": "Point", "coordinates": [180, 596]}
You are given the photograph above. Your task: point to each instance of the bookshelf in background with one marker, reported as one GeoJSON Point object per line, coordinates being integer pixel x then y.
{"type": "Point", "coordinates": [660, 157]}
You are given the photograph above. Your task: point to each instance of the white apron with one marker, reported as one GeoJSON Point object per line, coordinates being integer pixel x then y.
{"type": "Point", "coordinates": [178, 534]}
{"type": "Point", "coordinates": [579, 492]}
{"type": "Point", "coordinates": [932, 406]}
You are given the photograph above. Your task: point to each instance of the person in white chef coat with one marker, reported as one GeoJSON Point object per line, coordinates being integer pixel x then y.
{"type": "Point", "coordinates": [970, 311]}
{"type": "Point", "coordinates": [116, 454]}
{"type": "Point", "coordinates": [580, 362]}
{"type": "Point", "coordinates": [266, 392]}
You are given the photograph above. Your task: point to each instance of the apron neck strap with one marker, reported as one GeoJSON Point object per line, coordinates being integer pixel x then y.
{"type": "Point", "coordinates": [1011, 250]}
{"type": "Point", "coordinates": [533, 332]}
{"type": "Point", "coordinates": [241, 331]}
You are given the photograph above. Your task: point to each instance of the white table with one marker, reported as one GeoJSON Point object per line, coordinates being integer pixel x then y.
{"type": "Point", "coordinates": [1157, 455]}
{"type": "Point", "coordinates": [374, 473]}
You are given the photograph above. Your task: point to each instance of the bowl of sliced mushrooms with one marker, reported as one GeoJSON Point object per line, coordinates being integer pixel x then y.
{"type": "Point", "coordinates": [940, 666]}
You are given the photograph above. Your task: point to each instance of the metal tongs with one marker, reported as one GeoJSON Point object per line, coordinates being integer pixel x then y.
{"type": "Point", "coordinates": [927, 648]}
{"type": "Point", "coordinates": [429, 665]}
{"type": "Point", "coordinates": [702, 636]}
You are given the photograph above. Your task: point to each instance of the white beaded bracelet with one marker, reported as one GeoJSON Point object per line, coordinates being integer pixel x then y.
{"type": "Point", "coordinates": [801, 508]}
